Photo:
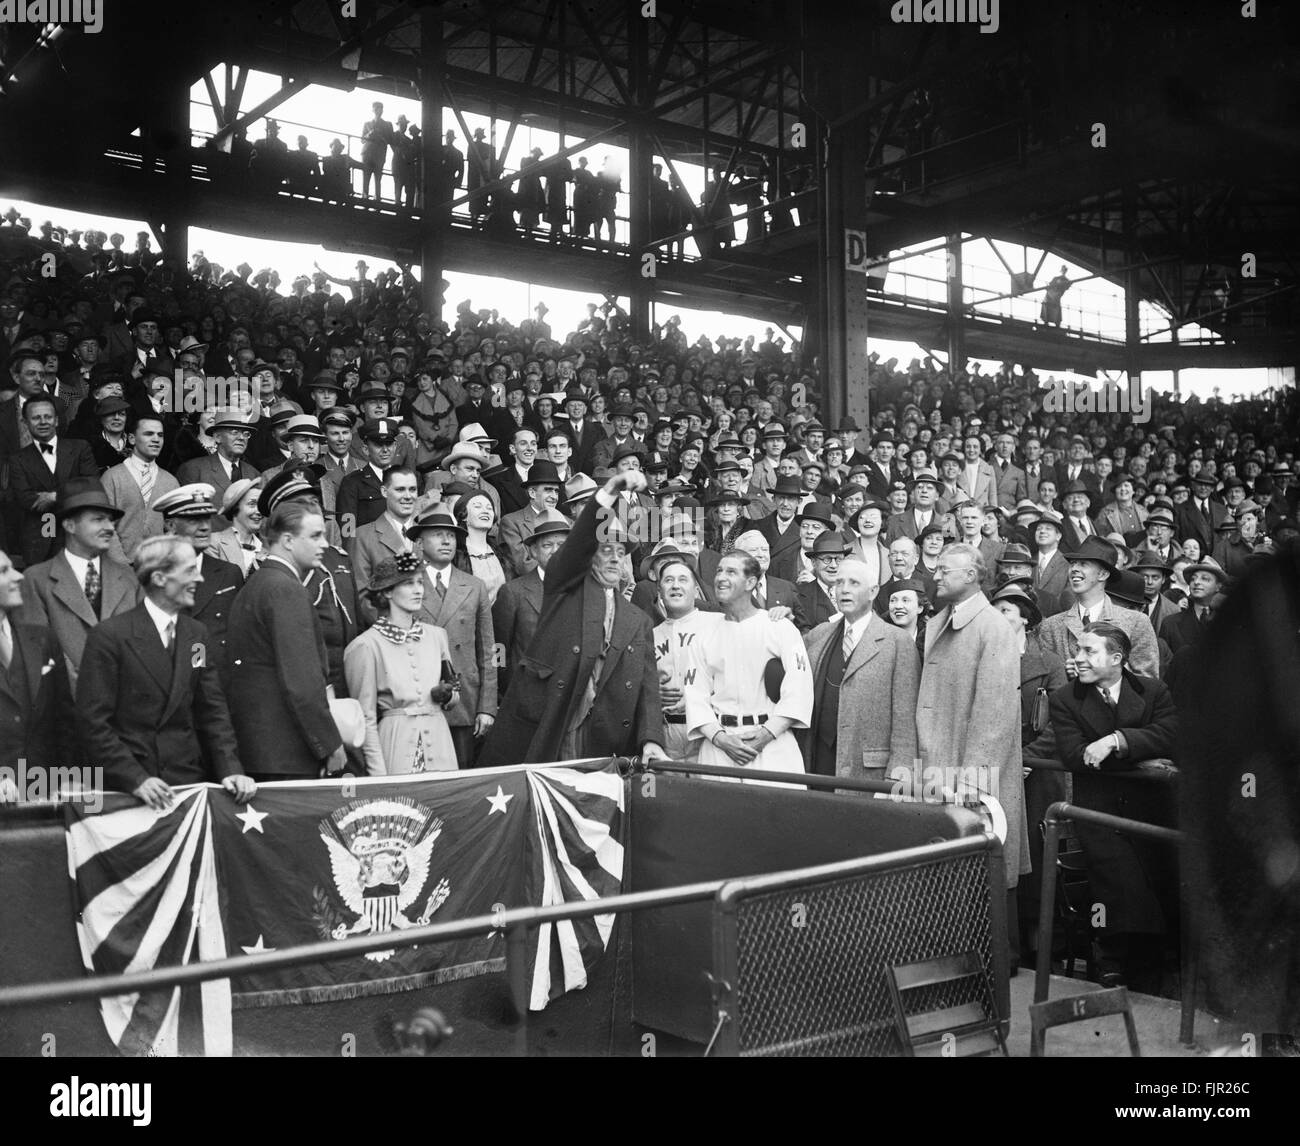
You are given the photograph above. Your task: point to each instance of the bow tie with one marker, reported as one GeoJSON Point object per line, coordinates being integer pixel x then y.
{"type": "Point", "coordinates": [46, 448]}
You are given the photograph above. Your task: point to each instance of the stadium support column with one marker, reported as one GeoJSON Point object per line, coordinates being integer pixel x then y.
{"type": "Point", "coordinates": [956, 312]}
{"type": "Point", "coordinates": [434, 215]}
{"type": "Point", "coordinates": [173, 209]}
{"type": "Point", "coordinates": [842, 241]}
{"type": "Point", "coordinates": [1132, 286]}
{"type": "Point", "coordinates": [640, 284]}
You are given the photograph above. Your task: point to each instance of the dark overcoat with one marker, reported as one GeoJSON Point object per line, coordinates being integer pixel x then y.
{"type": "Point", "coordinates": [547, 685]}
{"type": "Point", "coordinates": [277, 677]}
{"type": "Point", "coordinates": [1129, 877]}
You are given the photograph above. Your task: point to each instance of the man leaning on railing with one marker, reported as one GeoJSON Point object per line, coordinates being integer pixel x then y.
{"type": "Point", "coordinates": [1108, 720]}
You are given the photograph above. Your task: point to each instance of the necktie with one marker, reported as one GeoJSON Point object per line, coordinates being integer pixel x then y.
{"type": "Point", "coordinates": [169, 634]}
{"type": "Point", "coordinates": [1205, 617]}
{"type": "Point", "coordinates": [849, 643]}
{"type": "Point", "coordinates": [147, 480]}
{"type": "Point", "coordinates": [6, 647]}
{"type": "Point", "coordinates": [92, 587]}
{"type": "Point", "coordinates": [439, 587]}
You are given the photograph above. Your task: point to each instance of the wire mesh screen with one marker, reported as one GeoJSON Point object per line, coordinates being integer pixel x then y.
{"type": "Point", "coordinates": [811, 961]}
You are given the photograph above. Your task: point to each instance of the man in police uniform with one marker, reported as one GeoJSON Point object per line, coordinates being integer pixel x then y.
{"type": "Point", "coordinates": [187, 512]}
{"type": "Point", "coordinates": [361, 493]}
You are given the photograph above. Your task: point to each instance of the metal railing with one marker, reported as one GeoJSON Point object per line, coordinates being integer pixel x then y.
{"type": "Point", "coordinates": [518, 923]}
{"type": "Point", "coordinates": [1054, 821]}
{"type": "Point", "coordinates": [800, 957]}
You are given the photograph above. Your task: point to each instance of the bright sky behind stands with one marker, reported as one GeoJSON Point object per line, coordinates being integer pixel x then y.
{"type": "Point", "coordinates": [323, 114]}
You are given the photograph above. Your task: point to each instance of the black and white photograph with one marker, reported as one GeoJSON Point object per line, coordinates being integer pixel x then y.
{"type": "Point", "coordinates": [650, 529]}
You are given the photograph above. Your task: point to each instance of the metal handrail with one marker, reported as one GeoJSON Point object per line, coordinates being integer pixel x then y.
{"type": "Point", "coordinates": [1156, 771]}
{"type": "Point", "coordinates": [919, 856]}
{"type": "Point", "coordinates": [1054, 821]}
{"type": "Point", "coordinates": [517, 919]}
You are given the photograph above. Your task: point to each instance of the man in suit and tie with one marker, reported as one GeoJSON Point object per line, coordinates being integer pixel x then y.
{"type": "Point", "coordinates": [147, 347]}
{"type": "Point", "coordinates": [1072, 469]}
{"type": "Point", "coordinates": [279, 665]}
{"type": "Point", "coordinates": [232, 434]}
{"type": "Point", "coordinates": [542, 487]}
{"type": "Point", "coordinates": [150, 704]}
{"type": "Point", "coordinates": [385, 536]}
{"type": "Point", "coordinates": [361, 493]}
{"type": "Point", "coordinates": [1051, 580]}
{"type": "Point", "coordinates": [781, 528]}
{"type": "Point", "coordinates": [337, 461]}
{"type": "Point", "coordinates": [38, 471]}
{"type": "Point", "coordinates": [1009, 481]}
{"type": "Point", "coordinates": [1185, 627]}
{"type": "Point", "coordinates": [1078, 501]}
{"type": "Point", "coordinates": [770, 592]}
{"type": "Point", "coordinates": [883, 470]}
{"type": "Point", "coordinates": [763, 483]}
{"type": "Point", "coordinates": [81, 585]}
{"type": "Point", "coordinates": [1157, 605]}
{"type": "Point", "coordinates": [817, 597]}
{"type": "Point", "coordinates": [1200, 515]}
{"type": "Point", "coordinates": [1092, 566]}
{"type": "Point", "coordinates": [586, 434]}
{"type": "Point", "coordinates": [976, 476]}
{"type": "Point", "coordinates": [187, 512]}
{"type": "Point", "coordinates": [866, 673]}
{"type": "Point", "coordinates": [35, 699]}
{"type": "Point", "coordinates": [519, 604]}
{"type": "Point", "coordinates": [458, 602]}
{"type": "Point", "coordinates": [1108, 719]}
{"type": "Point", "coordinates": [1160, 526]}
{"type": "Point", "coordinates": [512, 481]}
{"type": "Point", "coordinates": [925, 488]}
{"type": "Point", "coordinates": [303, 438]}
{"type": "Point", "coordinates": [1034, 469]}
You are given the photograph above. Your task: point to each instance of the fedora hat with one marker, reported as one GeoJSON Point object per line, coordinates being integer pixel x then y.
{"type": "Point", "coordinates": [464, 451]}
{"type": "Point", "coordinates": [1127, 587]}
{"type": "Point", "coordinates": [543, 473]}
{"type": "Point", "coordinates": [1161, 516]}
{"type": "Point", "coordinates": [435, 517]}
{"type": "Point", "coordinates": [551, 525]}
{"type": "Point", "coordinates": [1208, 565]}
{"type": "Point", "coordinates": [85, 493]}
{"type": "Point", "coordinates": [1150, 559]}
{"type": "Point", "coordinates": [1016, 554]}
{"type": "Point", "coordinates": [1048, 517]}
{"type": "Point", "coordinates": [1078, 486]}
{"type": "Point", "coordinates": [829, 544]}
{"type": "Point", "coordinates": [304, 426]}
{"type": "Point", "coordinates": [1096, 549]}
{"type": "Point", "coordinates": [817, 511]}
{"type": "Point", "coordinates": [788, 487]}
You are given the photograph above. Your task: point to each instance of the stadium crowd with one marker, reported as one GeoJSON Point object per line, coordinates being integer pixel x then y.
{"type": "Point", "coordinates": [251, 535]}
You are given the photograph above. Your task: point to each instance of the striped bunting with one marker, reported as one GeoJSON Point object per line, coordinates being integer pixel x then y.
{"type": "Point", "coordinates": [574, 855]}
{"type": "Point", "coordinates": [147, 886]}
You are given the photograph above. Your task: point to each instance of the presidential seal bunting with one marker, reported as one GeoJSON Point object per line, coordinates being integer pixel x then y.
{"type": "Point", "coordinates": [306, 862]}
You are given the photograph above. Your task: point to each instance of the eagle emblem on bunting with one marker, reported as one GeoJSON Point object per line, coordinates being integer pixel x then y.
{"type": "Point", "coordinates": [380, 854]}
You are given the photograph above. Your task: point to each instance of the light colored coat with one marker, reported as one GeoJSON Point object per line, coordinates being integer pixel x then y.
{"type": "Point", "coordinates": [466, 614]}
{"type": "Point", "coordinates": [53, 597]}
{"type": "Point", "coordinates": [968, 711]}
{"type": "Point", "coordinates": [877, 717]}
{"type": "Point", "coordinates": [1061, 634]}
{"type": "Point", "coordinates": [986, 486]}
{"type": "Point", "coordinates": [139, 520]}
